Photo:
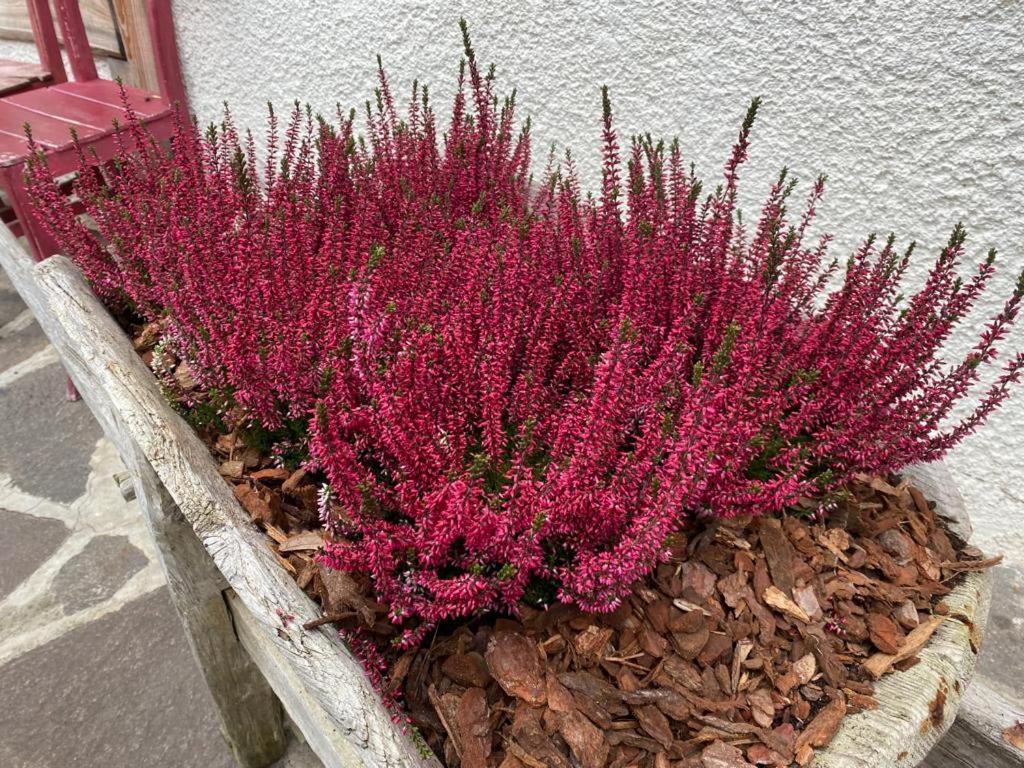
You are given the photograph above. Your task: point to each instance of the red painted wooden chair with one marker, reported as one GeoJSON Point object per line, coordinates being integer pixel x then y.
{"type": "Point", "coordinates": [52, 106]}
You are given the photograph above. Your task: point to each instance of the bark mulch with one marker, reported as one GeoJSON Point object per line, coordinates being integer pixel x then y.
{"type": "Point", "coordinates": [748, 647]}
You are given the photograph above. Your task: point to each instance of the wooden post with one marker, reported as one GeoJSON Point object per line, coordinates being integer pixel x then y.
{"type": "Point", "coordinates": [250, 714]}
{"type": "Point", "coordinates": [140, 68]}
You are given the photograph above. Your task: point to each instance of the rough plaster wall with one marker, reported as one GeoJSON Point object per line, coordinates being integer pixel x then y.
{"type": "Point", "coordinates": [915, 111]}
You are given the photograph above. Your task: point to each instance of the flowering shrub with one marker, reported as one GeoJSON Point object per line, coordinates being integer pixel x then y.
{"type": "Point", "coordinates": [510, 387]}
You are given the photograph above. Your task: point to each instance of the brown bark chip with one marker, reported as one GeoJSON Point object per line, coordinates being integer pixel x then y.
{"type": "Point", "coordinates": [884, 633]}
{"type": "Point", "coordinates": [778, 552]}
{"type": "Point", "coordinates": [718, 754]}
{"type": "Point", "coordinates": [819, 732]}
{"type": "Point", "coordinates": [472, 719]}
{"type": "Point", "coordinates": [584, 739]}
{"type": "Point", "coordinates": [515, 663]}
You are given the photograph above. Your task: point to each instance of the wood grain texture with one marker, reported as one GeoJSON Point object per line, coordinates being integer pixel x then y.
{"type": "Point", "coordinates": [249, 712]}
{"type": "Point", "coordinates": [918, 706]}
{"type": "Point", "coordinates": [99, 25]}
{"type": "Point", "coordinates": [976, 738]}
{"type": "Point", "coordinates": [140, 68]}
{"type": "Point", "coordinates": [121, 390]}
{"type": "Point", "coordinates": [305, 711]}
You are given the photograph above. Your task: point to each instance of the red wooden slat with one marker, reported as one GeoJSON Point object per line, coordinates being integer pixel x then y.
{"type": "Point", "coordinates": [68, 107]}
{"type": "Point", "coordinates": [76, 43]}
{"type": "Point", "coordinates": [165, 53]}
{"type": "Point", "coordinates": [109, 93]}
{"type": "Point", "coordinates": [46, 39]}
{"type": "Point", "coordinates": [49, 132]}
{"type": "Point", "coordinates": [13, 148]}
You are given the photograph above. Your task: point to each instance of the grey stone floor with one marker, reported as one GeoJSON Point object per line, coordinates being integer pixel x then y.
{"type": "Point", "coordinates": [94, 668]}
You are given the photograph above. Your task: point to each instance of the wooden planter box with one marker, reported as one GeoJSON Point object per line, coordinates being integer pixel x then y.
{"type": "Point", "coordinates": [243, 613]}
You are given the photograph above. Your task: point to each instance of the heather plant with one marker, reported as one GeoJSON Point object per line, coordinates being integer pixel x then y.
{"type": "Point", "coordinates": [519, 391]}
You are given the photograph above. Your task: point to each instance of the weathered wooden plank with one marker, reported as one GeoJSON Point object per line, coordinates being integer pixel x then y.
{"type": "Point", "coordinates": [102, 363]}
{"type": "Point", "coordinates": [249, 712]}
{"type": "Point", "coordinates": [140, 67]}
{"type": "Point", "coordinates": [918, 706]}
{"type": "Point", "coordinates": [303, 708]}
{"type": "Point", "coordinates": [976, 738]}
{"type": "Point", "coordinates": [99, 24]}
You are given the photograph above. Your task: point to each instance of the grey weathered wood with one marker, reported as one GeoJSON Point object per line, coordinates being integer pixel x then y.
{"type": "Point", "coordinates": [909, 719]}
{"type": "Point", "coordinates": [306, 712]}
{"type": "Point", "coordinates": [125, 485]}
{"type": "Point", "coordinates": [121, 391]}
{"type": "Point", "coordinates": [249, 712]}
{"type": "Point", "coordinates": [976, 738]}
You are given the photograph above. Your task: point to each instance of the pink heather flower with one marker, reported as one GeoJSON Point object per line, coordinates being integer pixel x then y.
{"type": "Point", "coordinates": [516, 391]}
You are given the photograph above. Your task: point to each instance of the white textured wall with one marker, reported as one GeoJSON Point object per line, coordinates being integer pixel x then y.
{"type": "Point", "coordinates": [915, 110]}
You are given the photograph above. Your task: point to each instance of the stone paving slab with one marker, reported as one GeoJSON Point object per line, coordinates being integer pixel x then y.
{"type": "Point", "coordinates": [31, 341]}
{"type": "Point", "coordinates": [47, 441]}
{"type": "Point", "coordinates": [119, 692]}
{"type": "Point", "coordinates": [28, 541]}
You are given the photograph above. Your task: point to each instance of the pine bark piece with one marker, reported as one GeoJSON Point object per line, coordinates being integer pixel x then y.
{"type": "Point", "coordinates": [584, 739]}
{"type": "Point", "coordinates": [655, 724]}
{"type": "Point", "coordinates": [468, 669]}
{"type": "Point", "coordinates": [673, 704]}
{"type": "Point", "coordinates": [591, 644]}
{"type": "Point", "coordinates": [759, 754]}
{"type": "Point", "coordinates": [762, 708]}
{"type": "Point", "coordinates": [515, 662]}
{"type": "Point", "coordinates": [820, 731]}
{"type": "Point", "coordinates": [472, 719]}
{"type": "Point", "coordinates": [446, 706]}
{"type": "Point", "coordinates": [689, 644]}
{"type": "Point", "coordinates": [587, 685]}
{"type": "Point", "coordinates": [884, 633]}
{"type": "Point", "coordinates": [232, 469]}
{"type": "Point", "coordinates": [906, 614]}
{"type": "Point", "coordinates": [718, 754]}
{"type": "Point", "coordinates": [778, 552]}
{"type": "Point", "coordinates": [303, 542]}
{"type": "Point", "coordinates": [294, 481]}
{"type": "Point", "coordinates": [560, 699]}
{"type": "Point", "coordinates": [531, 744]}
{"type": "Point", "coordinates": [339, 593]}
{"type": "Point", "coordinates": [881, 663]}
{"type": "Point", "coordinates": [778, 600]}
